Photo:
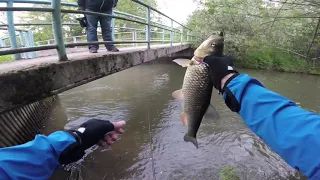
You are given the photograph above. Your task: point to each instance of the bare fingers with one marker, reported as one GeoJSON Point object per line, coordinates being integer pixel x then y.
{"type": "Point", "coordinates": [106, 142]}
{"type": "Point", "coordinates": [113, 136]}
{"type": "Point", "coordinates": [119, 124]}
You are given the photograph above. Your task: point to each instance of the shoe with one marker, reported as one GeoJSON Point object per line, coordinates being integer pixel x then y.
{"type": "Point", "coordinates": [93, 50]}
{"type": "Point", "coordinates": [112, 49]}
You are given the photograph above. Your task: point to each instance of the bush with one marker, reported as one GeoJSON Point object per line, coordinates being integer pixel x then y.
{"type": "Point", "coordinates": [6, 58]}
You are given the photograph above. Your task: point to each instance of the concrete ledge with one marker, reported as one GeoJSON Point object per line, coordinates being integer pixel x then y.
{"type": "Point", "coordinates": [25, 82]}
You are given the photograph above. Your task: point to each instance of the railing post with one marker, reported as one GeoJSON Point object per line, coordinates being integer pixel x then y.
{"type": "Point", "coordinates": [163, 35]}
{"type": "Point", "coordinates": [171, 33]}
{"type": "Point", "coordinates": [133, 38]}
{"type": "Point", "coordinates": [23, 43]}
{"type": "Point", "coordinates": [27, 44]}
{"type": "Point", "coordinates": [181, 35]}
{"type": "Point", "coordinates": [136, 36]}
{"type": "Point", "coordinates": [75, 41]}
{"type": "Point", "coordinates": [57, 29]}
{"type": "Point", "coordinates": [188, 36]}
{"type": "Point", "coordinates": [12, 30]}
{"type": "Point", "coordinates": [32, 44]}
{"type": "Point", "coordinates": [149, 27]}
{"type": "Point", "coordinates": [113, 26]}
{"type": "Point", "coordinates": [2, 43]}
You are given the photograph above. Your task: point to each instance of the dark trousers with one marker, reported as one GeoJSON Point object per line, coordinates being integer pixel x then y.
{"type": "Point", "coordinates": [106, 29]}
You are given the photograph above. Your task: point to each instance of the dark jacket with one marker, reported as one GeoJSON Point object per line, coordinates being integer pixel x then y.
{"type": "Point", "coordinates": [97, 5]}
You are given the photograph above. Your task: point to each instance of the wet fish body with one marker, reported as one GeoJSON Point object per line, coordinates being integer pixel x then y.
{"type": "Point", "coordinates": [196, 102]}
{"type": "Point", "coordinates": [197, 87]}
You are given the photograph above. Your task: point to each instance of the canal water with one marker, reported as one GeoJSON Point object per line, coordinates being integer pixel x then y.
{"type": "Point", "coordinates": [153, 147]}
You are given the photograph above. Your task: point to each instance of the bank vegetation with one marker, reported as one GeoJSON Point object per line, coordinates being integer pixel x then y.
{"type": "Point", "coordinates": [278, 35]}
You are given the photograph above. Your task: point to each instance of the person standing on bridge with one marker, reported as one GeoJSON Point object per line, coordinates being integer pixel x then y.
{"type": "Point", "coordinates": [100, 6]}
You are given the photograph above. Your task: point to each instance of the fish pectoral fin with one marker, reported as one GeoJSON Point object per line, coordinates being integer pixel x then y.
{"type": "Point", "coordinates": [211, 113]}
{"type": "Point", "coordinates": [178, 95]}
{"type": "Point", "coordinates": [182, 62]}
{"type": "Point", "coordinates": [188, 138]}
{"type": "Point", "coordinates": [184, 119]}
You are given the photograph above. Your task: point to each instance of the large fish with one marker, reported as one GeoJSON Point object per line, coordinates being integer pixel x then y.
{"type": "Point", "coordinates": [196, 91]}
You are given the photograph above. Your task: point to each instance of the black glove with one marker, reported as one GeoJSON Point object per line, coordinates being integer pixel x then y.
{"type": "Point", "coordinates": [89, 134]}
{"type": "Point", "coordinates": [82, 21]}
{"type": "Point", "coordinates": [219, 68]}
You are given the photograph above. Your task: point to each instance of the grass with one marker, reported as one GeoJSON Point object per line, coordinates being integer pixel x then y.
{"type": "Point", "coordinates": [228, 173]}
{"type": "Point", "coordinates": [271, 59]}
{"type": "Point", "coordinates": [6, 58]}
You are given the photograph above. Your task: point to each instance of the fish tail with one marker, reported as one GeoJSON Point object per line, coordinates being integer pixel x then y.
{"type": "Point", "coordinates": [188, 138]}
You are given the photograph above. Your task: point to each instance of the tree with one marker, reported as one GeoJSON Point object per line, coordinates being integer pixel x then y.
{"type": "Point", "coordinates": [274, 34]}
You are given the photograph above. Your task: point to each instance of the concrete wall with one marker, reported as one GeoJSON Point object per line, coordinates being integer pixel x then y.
{"type": "Point", "coordinates": [24, 85]}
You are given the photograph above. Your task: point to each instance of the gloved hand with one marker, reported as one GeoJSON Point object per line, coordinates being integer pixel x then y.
{"type": "Point", "coordinates": [219, 68]}
{"type": "Point", "coordinates": [88, 134]}
{"type": "Point", "coordinates": [82, 21]}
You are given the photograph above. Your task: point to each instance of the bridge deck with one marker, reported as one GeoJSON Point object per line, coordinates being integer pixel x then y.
{"type": "Point", "coordinates": [50, 56]}
{"type": "Point", "coordinates": [26, 81]}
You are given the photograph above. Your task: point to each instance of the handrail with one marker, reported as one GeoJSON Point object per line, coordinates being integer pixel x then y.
{"type": "Point", "coordinates": [57, 26]}
{"type": "Point", "coordinates": [26, 9]}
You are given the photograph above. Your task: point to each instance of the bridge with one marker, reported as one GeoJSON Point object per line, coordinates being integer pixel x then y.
{"type": "Point", "coordinates": [41, 70]}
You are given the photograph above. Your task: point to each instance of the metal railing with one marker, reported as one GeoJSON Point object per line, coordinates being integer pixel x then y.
{"type": "Point", "coordinates": [57, 24]}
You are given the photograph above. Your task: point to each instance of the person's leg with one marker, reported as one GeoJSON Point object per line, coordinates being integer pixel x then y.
{"type": "Point", "coordinates": [92, 24]}
{"type": "Point", "coordinates": [106, 30]}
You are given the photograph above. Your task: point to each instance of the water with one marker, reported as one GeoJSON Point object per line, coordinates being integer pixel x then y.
{"type": "Point", "coordinates": [153, 147]}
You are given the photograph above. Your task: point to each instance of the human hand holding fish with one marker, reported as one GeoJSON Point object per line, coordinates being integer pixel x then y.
{"type": "Point", "coordinates": [221, 70]}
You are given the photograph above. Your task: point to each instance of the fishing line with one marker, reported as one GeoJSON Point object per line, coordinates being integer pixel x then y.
{"type": "Point", "coordinates": [150, 142]}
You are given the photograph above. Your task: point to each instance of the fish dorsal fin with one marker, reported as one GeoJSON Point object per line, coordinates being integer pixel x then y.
{"type": "Point", "coordinates": [184, 119]}
{"type": "Point", "coordinates": [182, 62]}
{"type": "Point", "coordinates": [178, 95]}
{"type": "Point", "coordinates": [211, 113]}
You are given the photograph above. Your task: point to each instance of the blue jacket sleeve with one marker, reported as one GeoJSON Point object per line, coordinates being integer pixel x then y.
{"type": "Point", "coordinates": [36, 160]}
{"type": "Point", "coordinates": [289, 130]}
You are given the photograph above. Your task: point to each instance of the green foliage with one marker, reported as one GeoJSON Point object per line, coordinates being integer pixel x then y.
{"type": "Point", "coordinates": [229, 173]}
{"type": "Point", "coordinates": [6, 58]}
{"type": "Point", "coordinates": [45, 32]}
{"type": "Point", "coordinates": [264, 35]}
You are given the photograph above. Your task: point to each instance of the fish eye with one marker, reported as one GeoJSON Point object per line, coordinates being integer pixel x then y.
{"type": "Point", "coordinates": [213, 44]}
